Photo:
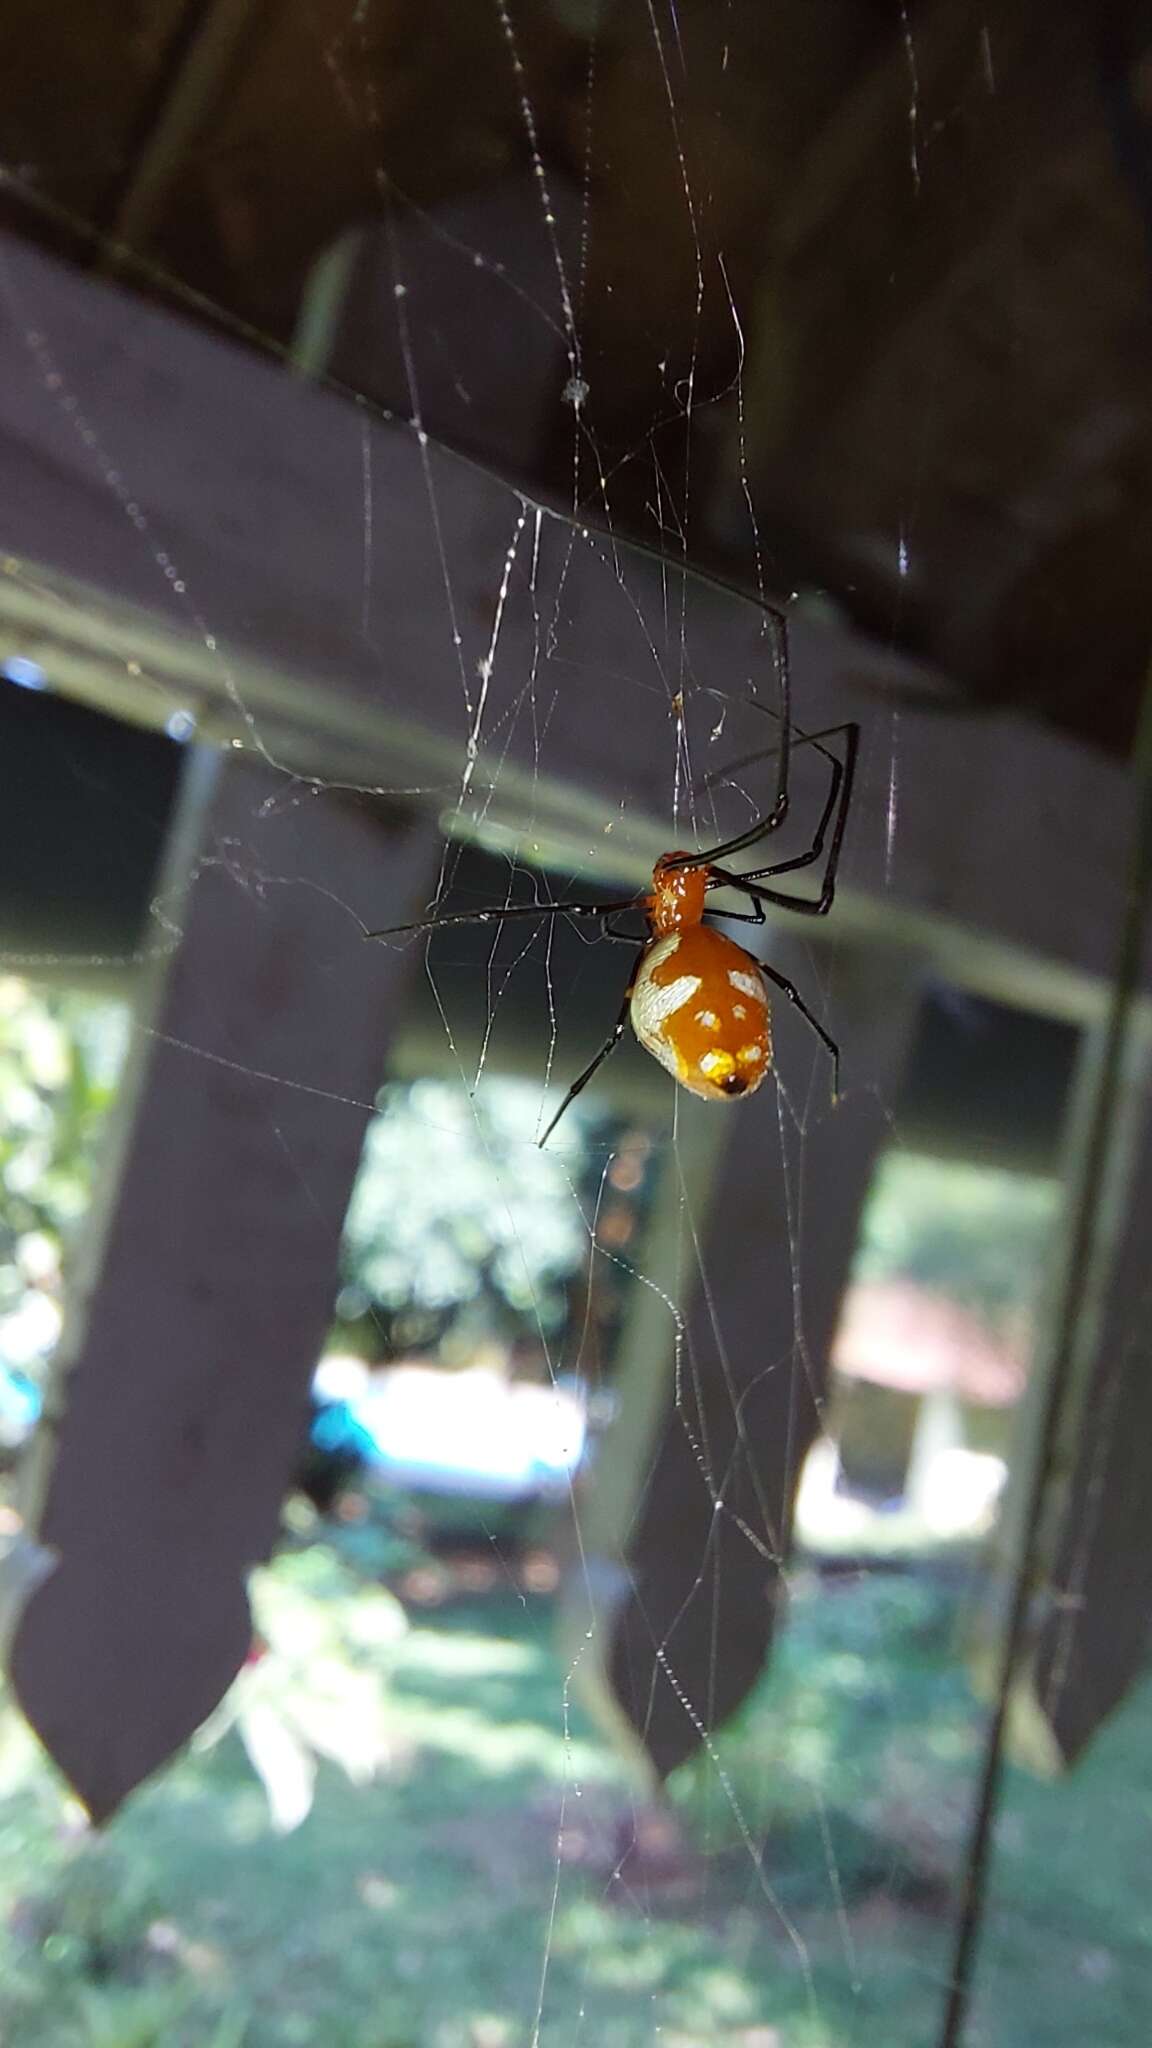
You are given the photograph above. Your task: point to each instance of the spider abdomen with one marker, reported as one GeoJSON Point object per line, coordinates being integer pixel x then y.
{"type": "Point", "coordinates": [700, 1006]}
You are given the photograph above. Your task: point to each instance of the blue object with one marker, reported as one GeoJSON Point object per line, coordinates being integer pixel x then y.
{"type": "Point", "coordinates": [28, 675]}
{"type": "Point", "coordinates": [21, 1403]}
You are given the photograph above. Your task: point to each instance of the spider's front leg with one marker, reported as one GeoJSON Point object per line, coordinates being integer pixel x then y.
{"type": "Point", "coordinates": [609, 1045]}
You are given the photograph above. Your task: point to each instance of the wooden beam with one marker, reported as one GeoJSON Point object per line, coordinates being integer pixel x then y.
{"type": "Point", "coordinates": [197, 1312]}
{"type": "Point", "coordinates": [185, 527]}
{"type": "Point", "coordinates": [900, 192]}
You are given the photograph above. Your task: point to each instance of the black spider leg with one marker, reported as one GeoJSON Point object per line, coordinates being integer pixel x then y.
{"type": "Point", "coordinates": [496, 913]}
{"type": "Point", "coordinates": [839, 800]}
{"type": "Point", "coordinates": [799, 739]}
{"type": "Point", "coordinates": [612, 931]}
{"type": "Point", "coordinates": [774, 818]}
{"type": "Point", "coordinates": [789, 989]}
{"type": "Point", "coordinates": [609, 1045]}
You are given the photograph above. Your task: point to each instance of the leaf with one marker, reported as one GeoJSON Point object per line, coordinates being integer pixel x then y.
{"type": "Point", "coordinates": [285, 1767]}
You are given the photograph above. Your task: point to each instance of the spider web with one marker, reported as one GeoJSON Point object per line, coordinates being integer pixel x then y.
{"type": "Point", "coordinates": [766, 1840]}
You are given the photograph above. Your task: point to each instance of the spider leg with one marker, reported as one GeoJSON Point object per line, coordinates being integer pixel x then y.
{"type": "Point", "coordinates": [838, 801]}
{"type": "Point", "coordinates": [805, 860]}
{"type": "Point", "coordinates": [789, 989]}
{"type": "Point", "coordinates": [774, 818]}
{"type": "Point", "coordinates": [799, 739]}
{"type": "Point", "coordinates": [740, 916]}
{"type": "Point", "coordinates": [496, 913]}
{"type": "Point", "coordinates": [609, 1045]}
{"type": "Point", "coordinates": [611, 931]}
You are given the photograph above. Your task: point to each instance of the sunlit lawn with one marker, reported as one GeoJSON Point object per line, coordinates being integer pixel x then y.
{"type": "Point", "coordinates": [464, 1899]}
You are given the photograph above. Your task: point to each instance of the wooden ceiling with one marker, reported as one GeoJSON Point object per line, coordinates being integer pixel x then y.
{"type": "Point", "coordinates": [856, 295]}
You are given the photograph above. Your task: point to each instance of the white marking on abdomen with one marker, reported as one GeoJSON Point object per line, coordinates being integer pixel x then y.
{"type": "Point", "coordinates": [748, 984]}
{"type": "Point", "coordinates": [652, 1004]}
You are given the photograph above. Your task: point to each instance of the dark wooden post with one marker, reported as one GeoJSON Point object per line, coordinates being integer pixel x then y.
{"type": "Point", "coordinates": [672, 1601]}
{"type": "Point", "coordinates": [1094, 1612]}
{"type": "Point", "coordinates": [179, 1403]}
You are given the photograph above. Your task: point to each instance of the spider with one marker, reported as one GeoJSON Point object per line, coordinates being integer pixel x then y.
{"type": "Point", "coordinates": [698, 1002]}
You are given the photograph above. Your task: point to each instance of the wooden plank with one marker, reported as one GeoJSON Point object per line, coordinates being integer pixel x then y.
{"type": "Point", "coordinates": [178, 1403]}
{"type": "Point", "coordinates": [348, 600]}
{"type": "Point", "coordinates": [1092, 1624]}
{"type": "Point", "coordinates": [672, 1599]}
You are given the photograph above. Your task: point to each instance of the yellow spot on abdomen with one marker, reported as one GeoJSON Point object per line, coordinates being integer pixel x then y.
{"type": "Point", "coordinates": [700, 1007]}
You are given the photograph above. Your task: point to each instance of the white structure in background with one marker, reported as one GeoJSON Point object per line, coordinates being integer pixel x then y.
{"type": "Point", "coordinates": [957, 1495]}
{"type": "Point", "coordinates": [469, 1432]}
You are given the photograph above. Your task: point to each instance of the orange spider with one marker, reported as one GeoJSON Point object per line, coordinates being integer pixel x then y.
{"type": "Point", "coordinates": [697, 1001]}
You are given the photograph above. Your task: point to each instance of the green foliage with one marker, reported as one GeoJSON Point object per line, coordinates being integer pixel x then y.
{"type": "Point", "coordinates": [448, 1903]}
{"type": "Point", "coordinates": [825, 1730]}
{"type": "Point", "coordinates": [980, 1235]}
{"type": "Point", "coordinates": [154, 2017]}
{"type": "Point", "coordinates": [456, 1203]}
{"type": "Point", "coordinates": [374, 1547]}
{"type": "Point", "coordinates": [59, 1057]}
{"type": "Point", "coordinates": [105, 1977]}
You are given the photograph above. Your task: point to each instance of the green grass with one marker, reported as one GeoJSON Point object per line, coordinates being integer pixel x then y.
{"type": "Point", "coordinates": [461, 1898]}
